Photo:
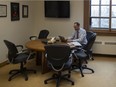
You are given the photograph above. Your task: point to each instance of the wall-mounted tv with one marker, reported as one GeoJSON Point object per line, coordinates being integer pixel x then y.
{"type": "Point", "coordinates": [57, 9]}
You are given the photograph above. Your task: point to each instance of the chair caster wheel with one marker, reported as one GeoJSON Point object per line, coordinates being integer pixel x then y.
{"type": "Point", "coordinates": [10, 72]}
{"type": "Point", "coordinates": [45, 82]}
{"type": "Point", "coordinates": [85, 66]}
{"type": "Point", "coordinates": [92, 71]}
{"type": "Point", "coordinates": [35, 72]}
{"type": "Point", "coordinates": [26, 79]}
{"type": "Point", "coordinates": [72, 83]}
{"type": "Point", "coordinates": [82, 75]}
{"type": "Point", "coordinates": [92, 58]}
{"type": "Point", "coordinates": [54, 75]}
{"type": "Point", "coordinates": [68, 76]}
{"type": "Point", "coordinates": [69, 72]}
{"type": "Point", "coordinates": [9, 79]}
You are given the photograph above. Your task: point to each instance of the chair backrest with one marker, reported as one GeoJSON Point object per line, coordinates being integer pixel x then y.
{"type": "Point", "coordinates": [43, 34]}
{"type": "Point", "coordinates": [91, 36]}
{"type": "Point", "coordinates": [12, 50]}
{"type": "Point", "coordinates": [57, 55]}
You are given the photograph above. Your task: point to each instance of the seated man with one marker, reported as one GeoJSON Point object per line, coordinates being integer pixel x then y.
{"type": "Point", "coordinates": [79, 34]}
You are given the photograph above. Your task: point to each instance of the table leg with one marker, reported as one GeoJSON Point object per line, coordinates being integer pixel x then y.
{"type": "Point", "coordinates": [38, 58]}
{"type": "Point", "coordinates": [45, 68]}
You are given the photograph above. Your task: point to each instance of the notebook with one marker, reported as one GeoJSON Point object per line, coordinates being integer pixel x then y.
{"type": "Point", "coordinates": [62, 39]}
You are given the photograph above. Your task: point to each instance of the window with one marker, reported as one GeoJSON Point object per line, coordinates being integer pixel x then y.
{"type": "Point", "coordinates": [101, 16]}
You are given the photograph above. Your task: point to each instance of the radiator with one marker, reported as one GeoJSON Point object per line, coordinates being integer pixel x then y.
{"type": "Point", "coordinates": [104, 47]}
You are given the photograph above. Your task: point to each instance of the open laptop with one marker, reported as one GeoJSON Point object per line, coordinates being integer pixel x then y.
{"type": "Point", "coordinates": [45, 41]}
{"type": "Point", "coordinates": [62, 39]}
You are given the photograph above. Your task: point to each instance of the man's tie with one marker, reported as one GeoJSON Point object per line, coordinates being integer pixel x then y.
{"type": "Point", "coordinates": [77, 34]}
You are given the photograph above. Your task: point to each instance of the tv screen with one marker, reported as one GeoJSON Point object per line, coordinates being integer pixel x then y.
{"type": "Point", "coordinates": [58, 9]}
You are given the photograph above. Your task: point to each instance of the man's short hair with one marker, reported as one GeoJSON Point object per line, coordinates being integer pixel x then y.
{"type": "Point", "coordinates": [77, 23]}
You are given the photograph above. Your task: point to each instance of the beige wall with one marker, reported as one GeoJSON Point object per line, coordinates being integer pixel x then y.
{"type": "Point", "coordinates": [19, 31]}
{"type": "Point", "coordinates": [64, 26]}
{"type": "Point", "coordinates": [15, 31]}
{"type": "Point", "coordinates": [59, 26]}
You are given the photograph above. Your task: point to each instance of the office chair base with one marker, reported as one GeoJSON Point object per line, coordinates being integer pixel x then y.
{"type": "Point", "coordinates": [22, 71]}
{"type": "Point", "coordinates": [81, 68]}
{"type": "Point", "coordinates": [90, 55]}
{"type": "Point", "coordinates": [58, 77]}
{"type": "Point", "coordinates": [78, 63]}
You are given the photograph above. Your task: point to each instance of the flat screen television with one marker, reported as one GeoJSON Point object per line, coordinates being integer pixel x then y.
{"type": "Point", "coordinates": [57, 9]}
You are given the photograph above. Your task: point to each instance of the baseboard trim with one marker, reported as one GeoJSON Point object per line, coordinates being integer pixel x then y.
{"type": "Point", "coordinates": [6, 62]}
{"type": "Point", "coordinates": [3, 63]}
{"type": "Point", "coordinates": [107, 55]}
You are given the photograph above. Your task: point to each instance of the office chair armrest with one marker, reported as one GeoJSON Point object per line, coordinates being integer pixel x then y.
{"type": "Point", "coordinates": [31, 55]}
{"type": "Point", "coordinates": [21, 46]}
{"type": "Point", "coordinates": [83, 50]}
{"type": "Point", "coordinates": [71, 55]}
{"type": "Point", "coordinates": [25, 51]}
{"type": "Point", "coordinates": [78, 49]}
{"type": "Point", "coordinates": [28, 52]}
{"type": "Point", "coordinates": [31, 37]}
{"type": "Point", "coordinates": [21, 49]}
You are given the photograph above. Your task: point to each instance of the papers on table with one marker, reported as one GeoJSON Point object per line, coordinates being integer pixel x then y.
{"type": "Point", "coordinates": [72, 40]}
{"type": "Point", "coordinates": [73, 44]}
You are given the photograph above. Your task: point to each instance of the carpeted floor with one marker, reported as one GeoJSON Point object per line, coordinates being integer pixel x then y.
{"type": "Point", "coordinates": [104, 76]}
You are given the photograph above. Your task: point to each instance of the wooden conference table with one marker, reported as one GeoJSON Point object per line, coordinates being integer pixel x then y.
{"type": "Point", "coordinates": [38, 46]}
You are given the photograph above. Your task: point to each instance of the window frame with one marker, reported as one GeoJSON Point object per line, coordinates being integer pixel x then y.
{"type": "Point", "coordinates": [87, 18]}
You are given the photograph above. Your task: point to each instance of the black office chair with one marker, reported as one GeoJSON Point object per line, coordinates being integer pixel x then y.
{"type": "Point", "coordinates": [91, 36]}
{"type": "Point", "coordinates": [42, 35]}
{"type": "Point", "coordinates": [16, 57]}
{"type": "Point", "coordinates": [79, 59]}
{"type": "Point", "coordinates": [82, 54]}
{"type": "Point", "coordinates": [58, 57]}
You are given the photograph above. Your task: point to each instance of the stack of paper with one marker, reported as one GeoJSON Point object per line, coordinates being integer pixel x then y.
{"type": "Point", "coordinates": [74, 44]}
